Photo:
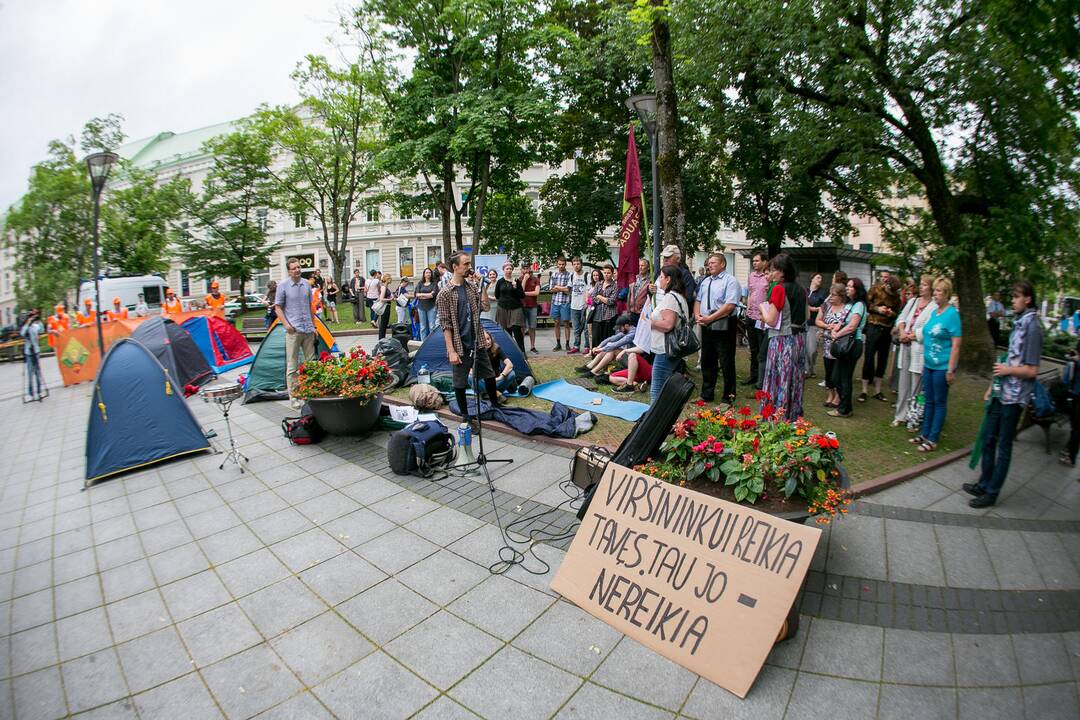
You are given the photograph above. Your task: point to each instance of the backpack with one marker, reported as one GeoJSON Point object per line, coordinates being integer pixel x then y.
{"type": "Point", "coordinates": [420, 448]}
{"type": "Point", "coordinates": [302, 430]}
{"type": "Point", "coordinates": [1042, 404]}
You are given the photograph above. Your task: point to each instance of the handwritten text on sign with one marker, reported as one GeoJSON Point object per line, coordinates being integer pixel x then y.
{"type": "Point", "coordinates": [702, 581]}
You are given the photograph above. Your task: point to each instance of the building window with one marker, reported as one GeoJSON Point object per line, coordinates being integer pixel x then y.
{"type": "Point", "coordinates": [300, 219]}
{"type": "Point", "coordinates": [405, 262]}
{"type": "Point", "coordinates": [261, 219]}
{"type": "Point", "coordinates": [373, 213]}
{"type": "Point", "coordinates": [185, 283]}
{"type": "Point", "coordinates": [434, 255]}
{"type": "Point", "coordinates": [371, 258]}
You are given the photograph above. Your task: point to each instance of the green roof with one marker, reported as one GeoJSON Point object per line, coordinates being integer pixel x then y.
{"type": "Point", "coordinates": [168, 148]}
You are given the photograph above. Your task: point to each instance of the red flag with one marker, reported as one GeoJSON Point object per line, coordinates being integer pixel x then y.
{"type": "Point", "coordinates": [633, 218]}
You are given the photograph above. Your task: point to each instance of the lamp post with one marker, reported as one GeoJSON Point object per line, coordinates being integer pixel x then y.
{"type": "Point", "coordinates": [645, 107]}
{"type": "Point", "coordinates": [98, 164]}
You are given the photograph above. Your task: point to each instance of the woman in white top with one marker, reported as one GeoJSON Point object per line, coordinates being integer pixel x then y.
{"type": "Point", "coordinates": [487, 300]}
{"type": "Point", "coordinates": [670, 306]}
{"type": "Point", "coordinates": [909, 358]}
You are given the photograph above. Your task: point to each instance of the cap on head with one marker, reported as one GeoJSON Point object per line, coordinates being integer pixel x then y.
{"type": "Point", "coordinates": [59, 309]}
{"type": "Point", "coordinates": [214, 285]}
{"type": "Point", "coordinates": [88, 302]}
{"type": "Point", "coordinates": [116, 301]}
{"type": "Point", "coordinates": [671, 251]}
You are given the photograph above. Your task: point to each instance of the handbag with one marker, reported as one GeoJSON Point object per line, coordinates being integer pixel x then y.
{"type": "Point", "coordinates": [842, 347]}
{"type": "Point", "coordinates": [378, 308]}
{"type": "Point", "coordinates": [682, 341]}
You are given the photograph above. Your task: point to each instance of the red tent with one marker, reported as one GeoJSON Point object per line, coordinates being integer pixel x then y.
{"type": "Point", "coordinates": [220, 343]}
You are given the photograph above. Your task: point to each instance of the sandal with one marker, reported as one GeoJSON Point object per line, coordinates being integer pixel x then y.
{"type": "Point", "coordinates": [928, 446]}
{"type": "Point", "coordinates": [837, 413]}
{"type": "Point", "coordinates": [897, 423]}
{"type": "Point", "coordinates": [862, 397]}
{"type": "Point", "coordinates": [917, 440]}
{"type": "Point", "coordinates": [881, 397]}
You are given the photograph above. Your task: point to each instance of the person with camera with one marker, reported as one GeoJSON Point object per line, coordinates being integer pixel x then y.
{"type": "Point", "coordinates": [717, 299]}
{"type": "Point", "coordinates": [30, 332]}
{"type": "Point", "coordinates": [458, 309]}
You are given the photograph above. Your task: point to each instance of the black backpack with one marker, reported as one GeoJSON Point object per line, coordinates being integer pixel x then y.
{"type": "Point", "coordinates": [420, 448]}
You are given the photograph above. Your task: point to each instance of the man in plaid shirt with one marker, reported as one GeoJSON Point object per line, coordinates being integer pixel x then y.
{"type": "Point", "coordinates": [560, 302]}
{"type": "Point", "coordinates": [458, 309]}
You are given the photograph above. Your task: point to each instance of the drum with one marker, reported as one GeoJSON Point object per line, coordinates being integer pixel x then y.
{"type": "Point", "coordinates": [221, 393]}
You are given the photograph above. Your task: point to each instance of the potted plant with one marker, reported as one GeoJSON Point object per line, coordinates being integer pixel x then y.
{"type": "Point", "coordinates": [345, 391]}
{"type": "Point", "coordinates": [789, 466]}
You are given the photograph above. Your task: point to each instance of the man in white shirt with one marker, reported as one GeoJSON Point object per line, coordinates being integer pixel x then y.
{"type": "Point", "coordinates": [717, 298]}
{"type": "Point", "coordinates": [577, 304]}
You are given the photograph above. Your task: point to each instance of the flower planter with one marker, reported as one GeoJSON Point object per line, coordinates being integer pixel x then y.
{"type": "Point", "coordinates": [346, 416]}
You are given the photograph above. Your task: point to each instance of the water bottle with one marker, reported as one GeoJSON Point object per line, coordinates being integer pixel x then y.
{"type": "Point", "coordinates": [423, 376]}
{"type": "Point", "coordinates": [995, 388]}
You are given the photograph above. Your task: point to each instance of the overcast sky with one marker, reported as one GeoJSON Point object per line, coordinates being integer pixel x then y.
{"type": "Point", "coordinates": [162, 65]}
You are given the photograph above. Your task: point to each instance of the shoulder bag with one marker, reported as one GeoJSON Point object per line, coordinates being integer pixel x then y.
{"type": "Point", "coordinates": [843, 346]}
{"type": "Point", "coordinates": [681, 341]}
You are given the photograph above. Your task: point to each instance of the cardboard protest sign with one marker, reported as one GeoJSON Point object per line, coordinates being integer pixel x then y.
{"type": "Point", "coordinates": [704, 582]}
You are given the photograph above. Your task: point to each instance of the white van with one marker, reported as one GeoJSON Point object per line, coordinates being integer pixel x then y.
{"type": "Point", "coordinates": [128, 289]}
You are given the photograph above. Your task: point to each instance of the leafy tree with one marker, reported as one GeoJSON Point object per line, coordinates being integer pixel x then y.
{"type": "Point", "coordinates": [139, 221]}
{"type": "Point", "coordinates": [329, 142]}
{"type": "Point", "coordinates": [230, 213]}
{"type": "Point", "coordinates": [514, 228]}
{"type": "Point", "coordinates": [971, 105]}
{"type": "Point", "coordinates": [469, 103]}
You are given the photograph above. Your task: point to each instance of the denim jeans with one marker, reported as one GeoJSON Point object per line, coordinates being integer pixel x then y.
{"type": "Point", "coordinates": [844, 371]}
{"type": "Point", "coordinates": [662, 368]}
{"type": "Point", "coordinates": [936, 391]}
{"type": "Point", "coordinates": [429, 321]}
{"type": "Point", "coordinates": [998, 435]}
{"type": "Point", "coordinates": [577, 319]}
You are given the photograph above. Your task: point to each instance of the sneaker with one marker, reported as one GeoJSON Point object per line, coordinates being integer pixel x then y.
{"type": "Point", "coordinates": [749, 381]}
{"type": "Point", "coordinates": [972, 489]}
{"type": "Point", "coordinates": [557, 347]}
{"type": "Point", "coordinates": [983, 501]}
{"type": "Point", "coordinates": [624, 389]}
{"type": "Point", "coordinates": [534, 351]}
{"type": "Point", "coordinates": [585, 351]}
{"type": "Point", "coordinates": [571, 351]}
{"type": "Point", "coordinates": [822, 384]}
{"type": "Point", "coordinates": [601, 380]}
{"type": "Point", "coordinates": [583, 370]}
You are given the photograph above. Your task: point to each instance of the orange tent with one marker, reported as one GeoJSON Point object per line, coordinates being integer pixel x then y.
{"type": "Point", "coordinates": [77, 347]}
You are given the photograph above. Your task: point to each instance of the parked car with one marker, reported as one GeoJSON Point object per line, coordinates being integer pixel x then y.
{"type": "Point", "coordinates": [254, 302]}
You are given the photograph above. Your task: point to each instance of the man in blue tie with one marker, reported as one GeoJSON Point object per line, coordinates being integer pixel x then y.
{"type": "Point", "coordinates": [716, 301]}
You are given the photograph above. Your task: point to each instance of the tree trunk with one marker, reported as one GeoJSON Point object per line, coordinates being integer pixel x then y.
{"type": "Point", "coordinates": [667, 155]}
{"type": "Point", "coordinates": [481, 201]}
{"type": "Point", "coordinates": [447, 206]}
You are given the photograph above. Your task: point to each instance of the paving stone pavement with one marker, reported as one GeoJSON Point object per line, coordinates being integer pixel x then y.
{"type": "Point", "coordinates": [320, 585]}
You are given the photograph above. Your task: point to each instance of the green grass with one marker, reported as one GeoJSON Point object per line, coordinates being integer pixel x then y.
{"type": "Point", "coordinates": [871, 447]}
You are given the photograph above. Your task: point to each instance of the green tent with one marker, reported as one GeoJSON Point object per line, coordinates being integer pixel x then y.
{"type": "Point", "coordinates": [266, 377]}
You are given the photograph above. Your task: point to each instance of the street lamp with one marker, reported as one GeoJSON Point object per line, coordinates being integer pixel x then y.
{"type": "Point", "coordinates": [98, 164]}
{"type": "Point", "coordinates": [645, 107]}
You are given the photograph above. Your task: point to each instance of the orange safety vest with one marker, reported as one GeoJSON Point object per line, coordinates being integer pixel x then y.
{"type": "Point", "coordinates": [89, 319]}
{"type": "Point", "coordinates": [57, 324]}
{"type": "Point", "coordinates": [217, 303]}
{"type": "Point", "coordinates": [114, 315]}
{"type": "Point", "coordinates": [175, 306]}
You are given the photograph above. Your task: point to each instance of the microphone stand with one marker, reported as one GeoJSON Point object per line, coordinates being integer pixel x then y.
{"type": "Point", "coordinates": [482, 459]}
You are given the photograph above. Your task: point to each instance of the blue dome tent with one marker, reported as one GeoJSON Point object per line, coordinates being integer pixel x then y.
{"type": "Point", "coordinates": [433, 354]}
{"type": "Point", "coordinates": [138, 415]}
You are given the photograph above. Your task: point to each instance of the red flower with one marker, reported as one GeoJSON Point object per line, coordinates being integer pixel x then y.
{"type": "Point", "coordinates": [718, 447]}
{"type": "Point", "coordinates": [834, 443]}
{"type": "Point", "coordinates": [745, 411]}
{"type": "Point", "coordinates": [700, 403]}
{"type": "Point", "coordinates": [748, 424]}
{"type": "Point", "coordinates": [324, 356]}
{"type": "Point", "coordinates": [768, 411]}
{"type": "Point", "coordinates": [690, 424]}
{"type": "Point", "coordinates": [760, 395]}
{"type": "Point", "coordinates": [733, 423]}
{"type": "Point", "coordinates": [708, 466]}
{"type": "Point", "coordinates": [757, 443]}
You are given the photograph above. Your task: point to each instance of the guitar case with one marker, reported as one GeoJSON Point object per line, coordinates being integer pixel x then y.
{"type": "Point", "coordinates": [652, 429]}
